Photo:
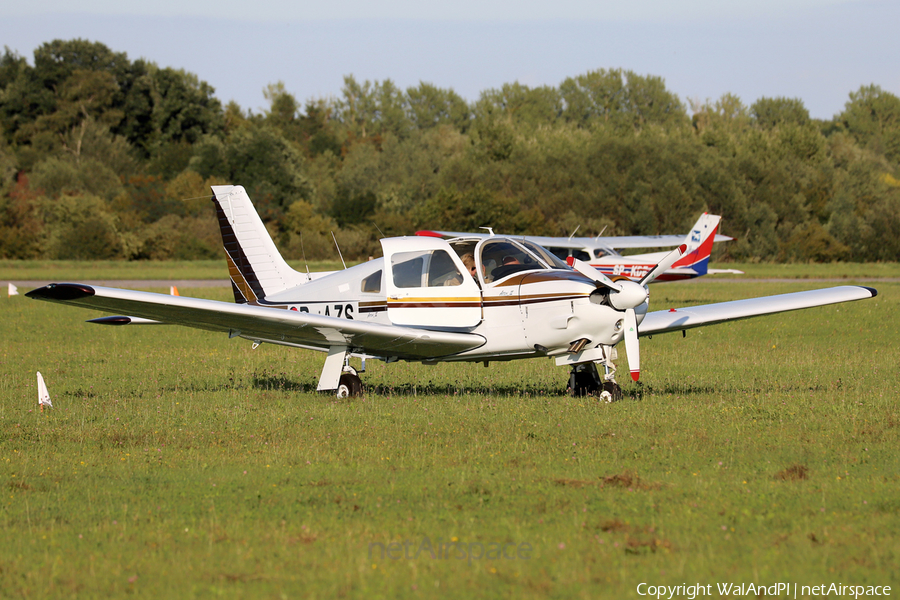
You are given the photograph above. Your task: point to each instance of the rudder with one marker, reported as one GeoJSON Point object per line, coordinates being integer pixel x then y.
{"type": "Point", "coordinates": [699, 243]}
{"type": "Point", "coordinates": [255, 266]}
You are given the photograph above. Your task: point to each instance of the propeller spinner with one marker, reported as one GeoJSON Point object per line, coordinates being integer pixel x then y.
{"type": "Point", "coordinates": [627, 295]}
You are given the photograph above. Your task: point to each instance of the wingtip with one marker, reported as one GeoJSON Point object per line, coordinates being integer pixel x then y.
{"type": "Point", "coordinates": [635, 375]}
{"type": "Point", "coordinates": [117, 320]}
{"type": "Point", "coordinates": [872, 291]}
{"type": "Point", "coordinates": [62, 292]}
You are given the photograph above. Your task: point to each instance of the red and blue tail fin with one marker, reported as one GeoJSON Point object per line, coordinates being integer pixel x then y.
{"type": "Point", "coordinates": [699, 244]}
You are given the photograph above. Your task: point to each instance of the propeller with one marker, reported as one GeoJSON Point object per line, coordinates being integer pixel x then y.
{"type": "Point", "coordinates": [664, 265]}
{"type": "Point", "coordinates": [632, 347]}
{"type": "Point", "coordinates": [592, 273]}
{"type": "Point", "coordinates": [627, 295]}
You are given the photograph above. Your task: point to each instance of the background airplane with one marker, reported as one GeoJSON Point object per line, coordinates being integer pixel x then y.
{"type": "Point", "coordinates": [600, 252]}
{"type": "Point", "coordinates": [430, 300]}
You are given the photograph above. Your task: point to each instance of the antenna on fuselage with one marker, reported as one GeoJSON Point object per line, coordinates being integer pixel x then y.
{"type": "Point", "coordinates": [573, 233]}
{"type": "Point", "coordinates": [490, 230]}
{"type": "Point", "coordinates": [339, 250]}
{"type": "Point", "coordinates": [379, 229]}
{"type": "Point", "coordinates": [601, 232]}
{"type": "Point", "coordinates": [302, 251]}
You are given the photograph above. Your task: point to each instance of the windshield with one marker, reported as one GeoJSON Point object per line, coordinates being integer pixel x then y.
{"type": "Point", "coordinates": [553, 261]}
{"type": "Point", "coordinates": [501, 257]}
{"type": "Point", "coordinates": [602, 251]}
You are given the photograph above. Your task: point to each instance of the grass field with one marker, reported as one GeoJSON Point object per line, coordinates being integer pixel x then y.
{"type": "Point", "coordinates": [179, 463]}
{"type": "Point", "coordinates": [74, 270]}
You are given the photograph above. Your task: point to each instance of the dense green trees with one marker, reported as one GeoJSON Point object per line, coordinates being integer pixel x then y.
{"type": "Point", "coordinates": [103, 157]}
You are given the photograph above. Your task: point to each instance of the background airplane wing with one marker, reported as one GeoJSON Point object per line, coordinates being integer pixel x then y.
{"type": "Point", "coordinates": [452, 234]}
{"type": "Point", "coordinates": [677, 319]}
{"type": "Point", "coordinates": [646, 241]}
{"type": "Point", "coordinates": [614, 242]}
{"type": "Point", "coordinates": [266, 324]}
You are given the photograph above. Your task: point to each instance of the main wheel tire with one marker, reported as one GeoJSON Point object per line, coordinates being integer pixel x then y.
{"type": "Point", "coordinates": [349, 386]}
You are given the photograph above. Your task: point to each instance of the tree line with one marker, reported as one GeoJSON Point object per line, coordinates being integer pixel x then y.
{"type": "Point", "coordinates": [102, 157]}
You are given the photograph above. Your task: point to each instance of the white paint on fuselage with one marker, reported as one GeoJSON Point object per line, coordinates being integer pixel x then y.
{"type": "Point", "coordinates": [516, 318]}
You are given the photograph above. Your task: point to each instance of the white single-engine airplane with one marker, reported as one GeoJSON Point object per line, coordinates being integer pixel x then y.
{"type": "Point", "coordinates": [428, 301]}
{"type": "Point", "coordinates": [600, 252]}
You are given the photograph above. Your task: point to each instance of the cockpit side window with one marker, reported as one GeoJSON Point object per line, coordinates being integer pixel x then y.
{"type": "Point", "coordinates": [372, 283]}
{"type": "Point", "coordinates": [601, 252]}
{"type": "Point", "coordinates": [442, 270]}
{"type": "Point", "coordinates": [424, 268]}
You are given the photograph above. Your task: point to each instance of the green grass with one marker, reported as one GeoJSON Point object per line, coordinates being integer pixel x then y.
{"type": "Point", "coordinates": [178, 463]}
{"type": "Point", "coordinates": [75, 270]}
{"type": "Point", "coordinates": [839, 270]}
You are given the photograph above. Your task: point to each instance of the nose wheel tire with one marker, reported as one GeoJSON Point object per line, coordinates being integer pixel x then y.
{"type": "Point", "coordinates": [611, 391]}
{"type": "Point", "coordinates": [349, 386]}
{"type": "Point", "coordinates": [584, 380]}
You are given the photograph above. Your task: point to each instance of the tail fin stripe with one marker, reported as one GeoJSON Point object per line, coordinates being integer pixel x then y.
{"type": "Point", "coordinates": [256, 266]}
{"type": "Point", "coordinates": [239, 267]}
{"type": "Point", "coordinates": [240, 283]}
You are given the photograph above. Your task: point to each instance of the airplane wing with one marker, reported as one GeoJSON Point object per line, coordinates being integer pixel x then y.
{"type": "Point", "coordinates": [614, 242]}
{"type": "Point", "coordinates": [677, 319]}
{"type": "Point", "coordinates": [266, 324]}
{"type": "Point", "coordinates": [647, 241]}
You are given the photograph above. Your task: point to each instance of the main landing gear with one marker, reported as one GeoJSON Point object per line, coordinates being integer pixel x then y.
{"type": "Point", "coordinates": [350, 385]}
{"type": "Point", "coordinates": [338, 375]}
{"type": "Point", "coordinates": [584, 380]}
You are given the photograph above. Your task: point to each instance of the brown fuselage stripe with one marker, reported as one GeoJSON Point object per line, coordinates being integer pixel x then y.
{"type": "Point", "coordinates": [488, 302]}
{"type": "Point", "coordinates": [434, 304]}
{"type": "Point", "coordinates": [535, 299]}
{"type": "Point", "coordinates": [539, 277]}
{"type": "Point", "coordinates": [369, 307]}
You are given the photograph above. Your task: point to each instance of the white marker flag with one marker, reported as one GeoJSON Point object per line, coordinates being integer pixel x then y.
{"type": "Point", "coordinates": [43, 394]}
{"type": "Point", "coordinates": [13, 290]}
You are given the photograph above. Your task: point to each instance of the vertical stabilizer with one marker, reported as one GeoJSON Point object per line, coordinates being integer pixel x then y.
{"type": "Point", "coordinates": [699, 243]}
{"type": "Point", "coordinates": [256, 267]}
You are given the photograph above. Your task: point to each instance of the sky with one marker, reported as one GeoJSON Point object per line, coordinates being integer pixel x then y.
{"type": "Point", "coordinates": [816, 50]}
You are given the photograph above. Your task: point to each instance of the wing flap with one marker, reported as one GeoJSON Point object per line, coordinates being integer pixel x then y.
{"type": "Point", "coordinates": [709, 314]}
{"type": "Point", "coordinates": [276, 325]}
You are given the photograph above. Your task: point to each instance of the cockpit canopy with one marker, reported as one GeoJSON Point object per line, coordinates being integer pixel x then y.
{"type": "Point", "coordinates": [501, 257]}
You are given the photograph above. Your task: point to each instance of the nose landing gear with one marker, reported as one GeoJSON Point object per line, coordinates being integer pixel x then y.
{"type": "Point", "coordinates": [584, 380]}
